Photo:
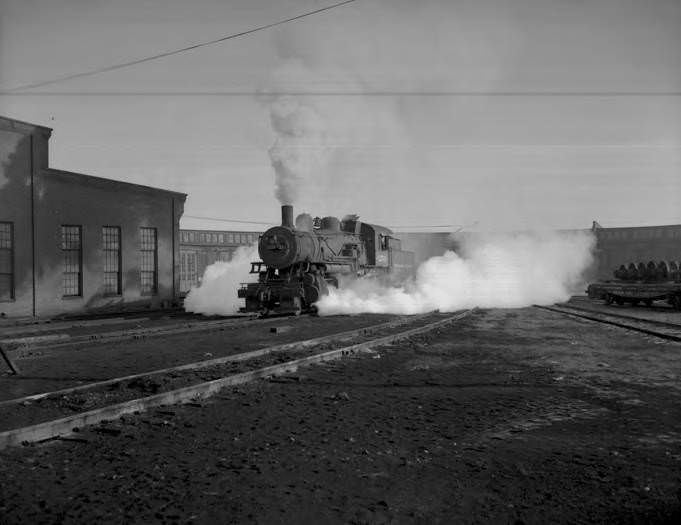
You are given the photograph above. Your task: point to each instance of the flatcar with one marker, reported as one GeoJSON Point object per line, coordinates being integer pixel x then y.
{"type": "Point", "coordinates": [299, 262]}
{"type": "Point", "coordinates": [641, 283]}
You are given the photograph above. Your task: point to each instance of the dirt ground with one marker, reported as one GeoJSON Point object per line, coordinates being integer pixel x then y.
{"type": "Point", "coordinates": [508, 416]}
{"type": "Point", "coordinates": [44, 370]}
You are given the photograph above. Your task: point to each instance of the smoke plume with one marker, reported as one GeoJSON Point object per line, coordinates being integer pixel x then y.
{"type": "Point", "coordinates": [509, 271]}
{"type": "Point", "coordinates": [300, 150]}
{"type": "Point", "coordinates": [217, 293]}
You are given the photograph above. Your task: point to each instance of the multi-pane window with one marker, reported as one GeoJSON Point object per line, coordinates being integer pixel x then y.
{"type": "Point", "coordinates": [187, 270]}
{"type": "Point", "coordinates": [149, 263]}
{"type": "Point", "coordinates": [72, 252]}
{"type": "Point", "coordinates": [111, 246]}
{"type": "Point", "coordinates": [6, 261]}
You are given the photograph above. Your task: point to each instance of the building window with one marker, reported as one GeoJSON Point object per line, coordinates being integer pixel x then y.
{"type": "Point", "coordinates": [188, 276]}
{"type": "Point", "coordinates": [111, 245]}
{"type": "Point", "coordinates": [72, 251]}
{"type": "Point", "coordinates": [230, 238]}
{"type": "Point", "coordinates": [221, 238]}
{"type": "Point", "coordinates": [6, 261]}
{"type": "Point", "coordinates": [149, 263]}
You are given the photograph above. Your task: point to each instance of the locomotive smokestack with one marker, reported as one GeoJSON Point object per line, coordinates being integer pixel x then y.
{"type": "Point", "coordinates": [287, 216]}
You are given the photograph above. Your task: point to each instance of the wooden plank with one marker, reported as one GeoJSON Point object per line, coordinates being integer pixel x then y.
{"type": "Point", "coordinates": [13, 367]}
{"type": "Point", "coordinates": [66, 426]}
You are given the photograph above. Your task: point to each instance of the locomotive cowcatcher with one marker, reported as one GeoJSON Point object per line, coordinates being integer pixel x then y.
{"type": "Point", "coordinates": [299, 263]}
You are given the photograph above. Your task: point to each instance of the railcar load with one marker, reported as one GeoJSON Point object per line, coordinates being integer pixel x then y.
{"type": "Point", "coordinates": [299, 262]}
{"type": "Point", "coordinates": [636, 283]}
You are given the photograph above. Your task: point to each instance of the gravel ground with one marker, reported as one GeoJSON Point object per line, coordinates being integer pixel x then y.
{"type": "Point", "coordinates": [508, 416]}
{"type": "Point", "coordinates": [49, 369]}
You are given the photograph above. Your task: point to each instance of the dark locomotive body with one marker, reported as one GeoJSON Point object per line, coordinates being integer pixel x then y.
{"type": "Point", "coordinates": [641, 282]}
{"type": "Point", "coordinates": [299, 263]}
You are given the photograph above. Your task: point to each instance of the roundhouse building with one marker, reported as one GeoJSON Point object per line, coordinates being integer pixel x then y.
{"type": "Point", "coordinates": [617, 246]}
{"type": "Point", "coordinates": [201, 248]}
{"type": "Point", "coordinates": [76, 243]}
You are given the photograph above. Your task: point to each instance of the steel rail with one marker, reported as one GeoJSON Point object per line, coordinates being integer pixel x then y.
{"type": "Point", "coordinates": [655, 322]}
{"type": "Point", "coordinates": [661, 335]}
{"type": "Point", "coordinates": [197, 365]}
{"type": "Point", "coordinates": [65, 325]}
{"type": "Point", "coordinates": [64, 426]}
{"type": "Point", "coordinates": [50, 341]}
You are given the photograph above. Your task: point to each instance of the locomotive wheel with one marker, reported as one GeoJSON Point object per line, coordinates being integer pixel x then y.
{"type": "Point", "coordinates": [609, 298]}
{"type": "Point", "coordinates": [619, 301]}
{"type": "Point", "coordinates": [648, 302]}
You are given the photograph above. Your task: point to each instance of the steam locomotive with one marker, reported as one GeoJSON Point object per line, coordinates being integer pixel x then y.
{"type": "Point", "coordinates": [299, 263]}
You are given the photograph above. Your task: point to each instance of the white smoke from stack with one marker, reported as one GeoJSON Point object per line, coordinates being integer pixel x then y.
{"type": "Point", "coordinates": [300, 151]}
{"type": "Point", "coordinates": [325, 146]}
{"type": "Point", "coordinates": [217, 293]}
{"type": "Point", "coordinates": [510, 271]}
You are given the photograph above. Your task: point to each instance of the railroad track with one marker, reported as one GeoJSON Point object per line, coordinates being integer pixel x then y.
{"type": "Point", "coordinates": [661, 329]}
{"type": "Point", "coordinates": [617, 313]}
{"type": "Point", "coordinates": [111, 399]}
{"type": "Point", "coordinates": [58, 340]}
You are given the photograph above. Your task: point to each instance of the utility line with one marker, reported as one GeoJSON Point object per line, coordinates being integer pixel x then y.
{"type": "Point", "coordinates": [239, 221]}
{"type": "Point", "coordinates": [215, 219]}
{"type": "Point", "coordinates": [174, 52]}
{"type": "Point", "coordinates": [375, 93]}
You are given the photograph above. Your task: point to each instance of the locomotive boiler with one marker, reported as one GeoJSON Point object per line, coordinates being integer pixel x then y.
{"type": "Point", "coordinates": [300, 261]}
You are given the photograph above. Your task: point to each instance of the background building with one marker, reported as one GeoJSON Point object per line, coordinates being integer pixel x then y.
{"type": "Point", "coordinates": [617, 246]}
{"type": "Point", "coordinates": [71, 242]}
{"type": "Point", "coordinates": [201, 248]}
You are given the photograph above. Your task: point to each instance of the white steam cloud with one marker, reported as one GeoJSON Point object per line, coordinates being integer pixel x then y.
{"type": "Point", "coordinates": [217, 293]}
{"type": "Point", "coordinates": [511, 271]}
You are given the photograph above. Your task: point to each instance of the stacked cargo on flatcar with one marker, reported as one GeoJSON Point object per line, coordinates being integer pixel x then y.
{"type": "Point", "coordinates": [641, 283]}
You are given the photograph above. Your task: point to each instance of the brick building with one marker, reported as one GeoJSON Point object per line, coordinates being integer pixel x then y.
{"type": "Point", "coordinates": [76, 243]}
{"type": "Point", "coordinates": [617, 246]}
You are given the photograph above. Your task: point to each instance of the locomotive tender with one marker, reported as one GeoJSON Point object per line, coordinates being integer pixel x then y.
{"type": "Point", "coordinates": [299, 262]}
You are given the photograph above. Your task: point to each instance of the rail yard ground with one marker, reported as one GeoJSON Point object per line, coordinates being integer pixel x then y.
{"type": "Point", "coordinates": [506, 416]}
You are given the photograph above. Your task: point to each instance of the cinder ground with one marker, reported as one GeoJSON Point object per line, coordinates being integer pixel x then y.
{"type": "Point", "coordinates": [509, 416]}
{"type": "Point", "coordinates": [44, 370]}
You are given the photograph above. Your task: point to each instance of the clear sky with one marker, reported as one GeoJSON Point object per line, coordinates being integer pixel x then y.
{"type": "Point", "coordinates": [505, 113]}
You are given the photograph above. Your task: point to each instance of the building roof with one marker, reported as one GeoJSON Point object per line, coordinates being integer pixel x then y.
{"type": "Point", "coordinates": [90, 180]}
{"type": "Point", "coordinates": [19, 126]}
{"type": "Point", "coordinates": [632, 228]}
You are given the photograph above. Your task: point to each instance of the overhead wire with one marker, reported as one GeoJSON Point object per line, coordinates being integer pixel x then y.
{"type": "Point", "coordinates": [241, 221]}
{"type": "Point", "coordinates": [174, 52]}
